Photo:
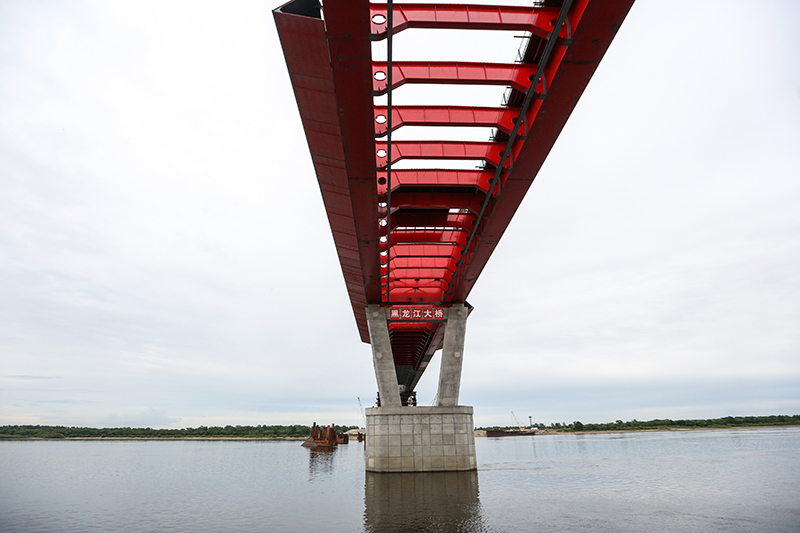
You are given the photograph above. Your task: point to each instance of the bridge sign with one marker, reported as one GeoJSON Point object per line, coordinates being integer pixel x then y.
{"type": "Point", "coordinates": [416, 314]}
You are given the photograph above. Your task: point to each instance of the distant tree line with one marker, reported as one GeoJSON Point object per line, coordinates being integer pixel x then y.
{"type": "Point", "coordinates": [243, 432]}
{"type": "Point", "coordinates": [636, 425]}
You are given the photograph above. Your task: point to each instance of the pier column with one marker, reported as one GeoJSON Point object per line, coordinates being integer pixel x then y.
{"type": "Point", "coordinates": [452, 356]}
{"type": "Point", "coordinates": [419, 439]}
{"type": "Point", "coordinates": [382, 358]}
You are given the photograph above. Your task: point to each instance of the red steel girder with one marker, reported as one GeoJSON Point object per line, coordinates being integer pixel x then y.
{"type": "Point", "coordinates": [422, 295]}
{"type": "Point", "coordinates": [320, 58]}
{"type": "Point", "coordinates": [431, 284]}
{"type": "Point", "coordinates": [435, 178]}
{"type": "Point", "coordinates": [425, 236]}
{"type": "Point", "coordinates": [436, 200]}
{"type": "Point", "coordinates": [433, 278]}
{"type": "Point", "coordinates": [537, 20]}
{"type": "Point", "coordinates": [487, 151]}
{"type": "Point", "coordinates": [424, 249]}
{"type": "Point", "coordinates": [569, 71]}
{"type": "Point", "coordinates": [406, 218]}
{"type": "Point", "coordinates": [429, 235]}
{"type": "Point", "coordinates": [404, 263]}
{"type": "Point", "coordinates": [418, 272]}
{"type": "Point", "coordinates": [516, 75]}
{"type": "Point", "coordinates": [501, 118]}
{"type": "Point", "coordinates": [333, 77]}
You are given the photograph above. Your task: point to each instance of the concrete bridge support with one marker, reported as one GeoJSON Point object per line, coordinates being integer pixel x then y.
{"type": "Point", "coordinates": [452, 356]}
{"type": "Point", "coordinates": [382, 358]}
{"type": "Point", "coordinates": [419, 439]}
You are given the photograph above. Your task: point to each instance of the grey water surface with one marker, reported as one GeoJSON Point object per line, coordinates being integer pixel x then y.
{"type": "Point", "coordinates": [745, 480]}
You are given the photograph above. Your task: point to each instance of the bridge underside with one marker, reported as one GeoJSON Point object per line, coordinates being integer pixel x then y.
{"type": "Point", "coordinates": [415, 240]}
{"type": "Point", "coordinates": [412, 241]}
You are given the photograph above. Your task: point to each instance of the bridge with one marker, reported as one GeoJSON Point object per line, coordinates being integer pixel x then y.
{"type": "Point", "coordinates": [413, 241]}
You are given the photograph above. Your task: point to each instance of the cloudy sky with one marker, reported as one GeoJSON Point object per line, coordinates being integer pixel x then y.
{"type": "Point", "coordinates": [165, 258]}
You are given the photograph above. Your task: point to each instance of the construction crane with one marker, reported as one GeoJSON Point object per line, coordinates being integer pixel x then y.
{"type": "Point", "coordinates": [517, 421]}
{"type": "Point", "coordinates": [361, 408]}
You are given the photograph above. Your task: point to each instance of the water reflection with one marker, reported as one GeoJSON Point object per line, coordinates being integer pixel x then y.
{"type": "Point", "coordinates": [320, 462]}
{"type": "Point", "coordinates": [432, 501]}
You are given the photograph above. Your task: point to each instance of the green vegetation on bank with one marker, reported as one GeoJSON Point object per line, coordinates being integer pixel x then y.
{"type": "Point", "coordinates": [638, 425]}
{"type": "Point", "coordinates": [300, 431]}
{"type": "Point", "coordinates": [241, 432]}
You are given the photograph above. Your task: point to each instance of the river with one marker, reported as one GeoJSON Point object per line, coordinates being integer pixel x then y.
{"type": "Point", "coordinates": [742, 480]}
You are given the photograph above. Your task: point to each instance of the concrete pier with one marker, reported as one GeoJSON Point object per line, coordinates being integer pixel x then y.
{"type": "Point", "coordinates": [420, 439]}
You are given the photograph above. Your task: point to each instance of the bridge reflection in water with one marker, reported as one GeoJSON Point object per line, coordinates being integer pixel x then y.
{"type": "Point", "coordinates": [422, 501]}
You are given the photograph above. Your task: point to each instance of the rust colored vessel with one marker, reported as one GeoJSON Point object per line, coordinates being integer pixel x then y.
{"type": "Point", "coordinates": [322, 437]}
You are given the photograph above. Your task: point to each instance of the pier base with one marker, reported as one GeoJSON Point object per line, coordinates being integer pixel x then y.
{"type": "Point", "coordinates": [420, 439]}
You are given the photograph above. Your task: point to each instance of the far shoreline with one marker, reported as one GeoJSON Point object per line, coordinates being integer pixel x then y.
{"type": "Point", "coordinates": [546, 432]}
{"type": "Point", "coordinates": [479, 433]}
{"type": "Point", "coordinates": [3, 437]}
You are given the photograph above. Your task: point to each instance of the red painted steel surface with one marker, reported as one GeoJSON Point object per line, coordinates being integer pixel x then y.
{"type": "Point", "coordinates": [313, 81]}
{"type": "Point", "coordinates": [487, 151]}
{"type": "Point", "coordinates": [436, 178]}
{"type": "Point", "coordinates": [444, 115]}
{"type": "Point", "coordinates": [460, 73]}
{"type": "Point", "coordinates": [538, 21]}
{"type": "Point", "coordinates": [425, 241]}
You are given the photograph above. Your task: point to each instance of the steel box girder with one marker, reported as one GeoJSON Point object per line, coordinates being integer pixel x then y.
{"type": "Point", "coordinates": [344, 163]}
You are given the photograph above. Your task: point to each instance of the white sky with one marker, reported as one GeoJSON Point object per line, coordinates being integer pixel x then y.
{"type": "Point", "coordinates": [165, 258]}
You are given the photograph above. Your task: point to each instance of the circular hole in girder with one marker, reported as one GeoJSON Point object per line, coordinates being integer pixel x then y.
{"type": "Point", "coordinates": [378, 19]}
{"type": "Point", "coordinates": [382, 181]}
{"type": "Point", "coordinates": [384, 265]}
{"type": "Point", "coordinates": [383, 238]}
{"type": "Point", "coordinates": [382, 222]}
{"type": "Point", "coordinates": [380, 75]}
{"type": "Point", "coordinates": [380, 119]}
{"type": "Point", "coordinates": [384, 253]}
{"type": "Point", "coordinates": [382, 204]}
{"type": "Point", "coordinates": [381, 153]}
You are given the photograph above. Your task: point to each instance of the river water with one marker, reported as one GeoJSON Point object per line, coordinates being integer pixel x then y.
{"type": "Point", "coordinates": [745, 480]}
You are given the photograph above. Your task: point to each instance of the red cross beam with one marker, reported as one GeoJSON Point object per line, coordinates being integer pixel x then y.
{"type": "Point", "coordinates": [501, 118]}
{"type": "Point", "coordinates": [480, 179]}
{"type": "Point", "coordinates": [537, 20]}
{"type": "Point", "coordinates": [450, 236]}
{"type": "Point", "coordinates": [437, 200]}
{"type": "Point", "coordinates": [517, 75]}
{"type": "Point", "coordinates": [486, 151]}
